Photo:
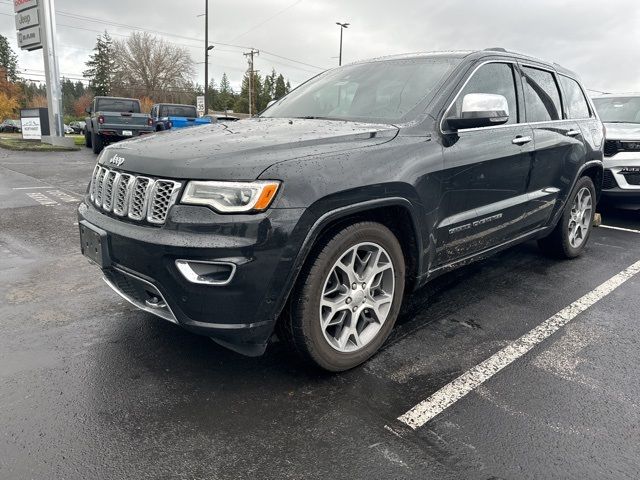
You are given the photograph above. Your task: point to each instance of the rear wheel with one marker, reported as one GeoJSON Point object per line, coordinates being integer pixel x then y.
{"type": "Point", "coordinates": [347, 298]}
{"type": "Point", "coordinates": [97, 142]}
{"type": "Point", "coordinates": [569, 238]}
{"type": "Point", "coordinates": [87, 139]}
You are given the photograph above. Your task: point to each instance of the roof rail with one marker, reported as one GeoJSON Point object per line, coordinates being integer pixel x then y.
{"type": "Point", "coordinates": [495, 49]}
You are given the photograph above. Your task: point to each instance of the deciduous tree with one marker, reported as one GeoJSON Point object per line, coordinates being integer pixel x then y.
{"type": "Point", "coordinates": [147, 65]}
{"type": "Point", "coordinates": [8, 106]}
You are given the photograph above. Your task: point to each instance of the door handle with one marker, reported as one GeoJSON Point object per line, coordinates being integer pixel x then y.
{"type": "Point", "coordinates": [573, 133]}
{"type": "Point", "coordinates": [519, 140]}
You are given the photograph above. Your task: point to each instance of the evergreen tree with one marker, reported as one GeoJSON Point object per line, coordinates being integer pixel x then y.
{"type": "Point", "coordinates": [280, 88]}
{"type": "Point", "coordinates": [8, 61]}
{"type": "Point", "coordinates": [288, 86]}
{"type": "Point", "coordinates": [101, 66]}
{"type": "Point", "coordinates": [226, 97]}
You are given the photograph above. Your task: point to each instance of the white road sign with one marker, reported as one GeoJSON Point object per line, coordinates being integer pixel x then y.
{"type": "Point", "coordinates": [31, 128]}
{"type": "Point", "coordinates": [200, 103]}
{"type": "Point", "coordinates": [20, 5]}
{"type": "Point", "coordinates": [29, 38]}
{"type": "Point", "coordinates": [27, 18]}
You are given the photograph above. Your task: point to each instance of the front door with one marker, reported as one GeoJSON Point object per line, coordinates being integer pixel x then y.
{"type": "Point", "coordinates": [485, 199]}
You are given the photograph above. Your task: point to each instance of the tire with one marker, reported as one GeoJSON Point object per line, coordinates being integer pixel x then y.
{"type": "Point", "coordinates": [97, 142]}
{"type": "Point", "coordinates": [87, 139]}
{"type": "Point", "coordinates": [564, 242]}
{"type": "Point", "coordinates": [301, 325]}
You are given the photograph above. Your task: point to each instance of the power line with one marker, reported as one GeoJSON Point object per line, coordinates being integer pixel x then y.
{"type": "Point", "coordinates": [267, 20]}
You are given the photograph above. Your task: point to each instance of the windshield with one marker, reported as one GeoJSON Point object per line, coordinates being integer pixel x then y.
{"type": "Point", "coordinates": [178, 111]}
{"type": "Point", "coordinates": [618, 109]}
{"type": "Point", "coordinates": [117, 105]}
{"type": "Point", "coordinates": [390, 91]}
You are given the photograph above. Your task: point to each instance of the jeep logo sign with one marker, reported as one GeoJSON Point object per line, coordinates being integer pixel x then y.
{"type": "Point", "coordinates": [116, 160]}
{"type": "Point", "coordinates": [26, 19]}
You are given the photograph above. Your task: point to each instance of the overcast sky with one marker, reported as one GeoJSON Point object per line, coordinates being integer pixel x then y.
{"type": "Point", "coordinates": [599, 40]}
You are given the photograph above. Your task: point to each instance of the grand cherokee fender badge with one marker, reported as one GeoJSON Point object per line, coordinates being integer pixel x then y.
{"type": "Point", "coordinates": [116, 160]}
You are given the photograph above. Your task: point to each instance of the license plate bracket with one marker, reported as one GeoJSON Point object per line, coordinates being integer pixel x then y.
{"type": "Point", "coordinates": [127, 133]}
{"type": "Point", "coordinates": [94, 244]}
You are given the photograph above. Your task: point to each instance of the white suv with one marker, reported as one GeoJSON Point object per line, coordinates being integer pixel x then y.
{"type": "Point", "coordinates": [621, 117]}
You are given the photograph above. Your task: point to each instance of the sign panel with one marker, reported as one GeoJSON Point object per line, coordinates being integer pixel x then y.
{"type": "Point", "coordinates": [200, 103]}
{"type": "Point", "coordinates": [20, 5]}
{"type": "Point", "coordinates": [29, 38]}
{"type": "Point", "coordinates": [31, 128]}
{"type": "Point", "coordinates": [27, 18]}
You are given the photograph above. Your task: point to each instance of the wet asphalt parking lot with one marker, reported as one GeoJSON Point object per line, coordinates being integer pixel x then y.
{"type": "Point", "coordinates": [92, 388]}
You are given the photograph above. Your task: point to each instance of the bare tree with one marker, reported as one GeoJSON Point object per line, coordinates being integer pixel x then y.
{"type": "Point", "coordinates": [148, 66]}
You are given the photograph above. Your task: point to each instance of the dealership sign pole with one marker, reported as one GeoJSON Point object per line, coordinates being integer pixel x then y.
{"type": "Point", "coordinates": [36, 28]}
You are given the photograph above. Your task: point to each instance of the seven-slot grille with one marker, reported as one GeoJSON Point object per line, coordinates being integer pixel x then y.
{"type": "Point", "coordinates": [136, 197]}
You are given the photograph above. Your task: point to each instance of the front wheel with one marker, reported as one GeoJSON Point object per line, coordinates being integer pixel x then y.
{"type": "Point", "coordinates": [569, 238]}
{"type": "Point", "coordinates": [347, 298]}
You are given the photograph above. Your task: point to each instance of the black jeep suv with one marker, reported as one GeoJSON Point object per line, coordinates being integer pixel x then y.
{"type": "Point", "coordinates": [322, 214]}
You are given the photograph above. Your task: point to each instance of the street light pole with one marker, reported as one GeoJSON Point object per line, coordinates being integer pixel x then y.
{"type": "Point", "coordinates": [342, 27]}
{"type": "Point", "coordinates": [206, 54]}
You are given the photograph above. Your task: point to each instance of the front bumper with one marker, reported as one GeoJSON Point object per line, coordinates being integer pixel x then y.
{"type": "Point", "coordinates": [141, 267]}
{"type": "Point", "coordinates": [621, 186]}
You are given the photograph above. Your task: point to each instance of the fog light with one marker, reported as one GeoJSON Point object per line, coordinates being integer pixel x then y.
{"type": "Point", "coordinates": [206, 273]}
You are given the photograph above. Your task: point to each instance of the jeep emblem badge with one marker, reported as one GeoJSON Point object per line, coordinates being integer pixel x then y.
{"type": "Point", "coordinates": [116, 160]}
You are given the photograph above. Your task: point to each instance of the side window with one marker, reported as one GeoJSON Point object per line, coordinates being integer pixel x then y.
{"type": "Point", "coordinates": [577, 106]}
{"type": "Point", "coordinates": [496, 78]}
{"type": "Point", "coordinates": [541, 95]}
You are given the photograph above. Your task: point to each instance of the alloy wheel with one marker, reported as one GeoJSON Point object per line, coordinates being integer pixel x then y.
{"type": "Point", "coordinates": [357, 297]}
{"type": "Point", "coordinates": [580, 219]}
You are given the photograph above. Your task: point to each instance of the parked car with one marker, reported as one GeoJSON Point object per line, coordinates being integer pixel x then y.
{"type": "Point", "coordinates": [221, 118]}
{"type": "Point", "coordinates": [78, 127]}
{"type": "Point", "coordinates": [621, 117]}
{"type": "Point", "coordinates": [68, 130]}
{"type": "Point", "coordinates": [361, 185]}
{"type": "Point", "coordinates": [11, 126]}
{"type": "Point", "coordinates": [166, 116]}
{"type": "Point", "coordinates": [112, 119]}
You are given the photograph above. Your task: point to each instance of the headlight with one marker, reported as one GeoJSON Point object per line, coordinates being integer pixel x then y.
{"type": "Point", "coordinates": [231, 197]}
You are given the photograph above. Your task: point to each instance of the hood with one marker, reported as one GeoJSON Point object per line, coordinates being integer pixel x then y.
{"type": "Point", "coordinates": [240, 150]}
{"type": "Point", "coordinates": [623, 131]}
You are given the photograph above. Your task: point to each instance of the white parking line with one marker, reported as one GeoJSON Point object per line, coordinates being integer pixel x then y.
{"type": "Point", "coordinates": [611, 227]}
{"type": "Point", "coordinates": [42, 199]}
{"type": "Point", "coordinates": [62, 196]}
{"type": "Point", "coordinates": [27, 188]}
{"type": "Point", "coordinates": [476, 376]}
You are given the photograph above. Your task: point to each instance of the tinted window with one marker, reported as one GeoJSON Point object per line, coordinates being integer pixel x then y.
{"type": "Point", "coordinates": [576, 103]}
{"type": "Point", "coordinates": [178, 111]}
{"type": "Point", "coordinates": [390, 91]}
{"type": "Point", "coordinates": [496, 78]}
{"type": "Point", "coordinates": [541, 95]}
{"type": "Point", "coordinates": [618, 109]}
{"type": "Point", "coordinates": [117, 105]}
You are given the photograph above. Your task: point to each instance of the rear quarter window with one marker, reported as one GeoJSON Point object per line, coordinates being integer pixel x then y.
{"type": "Point", "coordinates": [574, 99]}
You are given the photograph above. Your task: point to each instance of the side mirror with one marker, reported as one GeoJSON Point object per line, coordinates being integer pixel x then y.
{"type": "Point", "coordinates": [481, 110]}
{"type": "Point", "coordinates": [88, 110]}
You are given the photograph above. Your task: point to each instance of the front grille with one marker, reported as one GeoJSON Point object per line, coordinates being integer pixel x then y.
{"type": "Point", "coordinates": [138, 198]}
{"type": "Point", "coordinates": [611, 147]}
{"type": "Point", "coordinates": [609, 181]}
{"type": "Point", "coordinates": [632, 178]}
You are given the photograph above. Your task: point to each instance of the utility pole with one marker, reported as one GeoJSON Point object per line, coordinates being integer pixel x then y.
{"type": "Point", "coordinates": [249, 56]}
{"type": "Point", "coordinates": [342, 27]}
{"type": "Point", "coordinates": [207, 47]}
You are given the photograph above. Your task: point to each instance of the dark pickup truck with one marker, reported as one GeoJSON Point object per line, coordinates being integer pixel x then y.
{"type": "Point", "coordinates": [112, 119]}
{"type": "Point", "coordinates": [168, 115]}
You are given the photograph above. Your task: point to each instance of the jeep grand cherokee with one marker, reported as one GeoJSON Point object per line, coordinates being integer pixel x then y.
{"type": "Point", "coordinates": [318, 217]}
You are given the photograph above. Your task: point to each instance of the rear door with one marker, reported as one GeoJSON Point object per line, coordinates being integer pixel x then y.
{"type": "Point", "coordinates": [486, 171]}
{"type": "Point", "coordinates": [558, 140]}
